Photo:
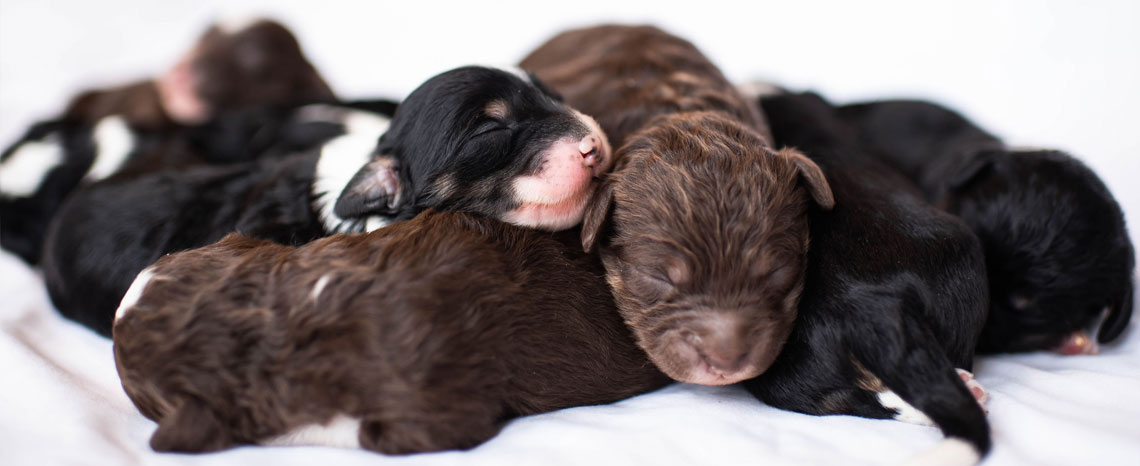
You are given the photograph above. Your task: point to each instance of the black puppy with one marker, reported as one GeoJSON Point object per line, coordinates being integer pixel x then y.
{"type": "Point", "coordinates": [106, 233]}
{"type": "Point", "coordinates": [1058, 254]}
{"type": "Point", "coordinates": [489, 141]}
{"type": "Point", "coordinates": [894, 297]}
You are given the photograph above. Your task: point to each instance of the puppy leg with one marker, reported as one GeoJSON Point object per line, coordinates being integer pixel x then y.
{"type": "Point", "coordinates": [426, 433]}
{"type": "Point", "coordinates": [192, 428]}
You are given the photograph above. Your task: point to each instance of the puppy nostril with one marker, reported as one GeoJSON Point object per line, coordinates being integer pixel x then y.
{"type": "Point", "coordinates": [588, 147]}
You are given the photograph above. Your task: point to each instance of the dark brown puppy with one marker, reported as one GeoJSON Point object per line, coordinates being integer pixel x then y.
{"type": "Point", "coordinates": [228, 69]}
{"type": "Point", "coordinates": [426, 335]}
{"type": "Point", "coordinates": [708, 239]}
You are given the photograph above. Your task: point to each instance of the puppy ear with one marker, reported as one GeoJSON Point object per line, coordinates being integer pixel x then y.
{"type": "Point", "coordinates": [596, 218]}
{"type": "Point", "coordinates": [375, 189]}
{"type": "Point", "coordinates": [1118, 316]}
{"type": "Point", "coordinates": [977, 164]}
{"type": "Point", "coordinates": [812, 176]}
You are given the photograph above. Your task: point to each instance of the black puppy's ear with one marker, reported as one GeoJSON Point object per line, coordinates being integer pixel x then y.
{"type": "Point", "coordinates": [1118, 316]}
{"type": "Point", "coordinates": [596, 218]}
{"type": "Point", "coordinates": [978, 164]}
{"type": "Point", "coordinates": [375, 189]}
{"type": "Point", "coordinates": [812, 176]}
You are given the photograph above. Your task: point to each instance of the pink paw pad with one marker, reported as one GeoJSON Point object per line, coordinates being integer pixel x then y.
{"type": "Point", "coordinates": [975, 388]}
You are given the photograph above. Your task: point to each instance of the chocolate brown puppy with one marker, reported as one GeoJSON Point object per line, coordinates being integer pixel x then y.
{"type": "Point", "coordinates": [230, 68]}
{"type": "Point", "coordinates": [702, 225]}
{"type": "Point", "coordinates": [425, 335]}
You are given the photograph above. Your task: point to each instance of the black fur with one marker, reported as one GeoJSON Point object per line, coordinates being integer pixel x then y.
{"type": "Point", "coordinates": [895, 290]}
{"type": "Point", "coordinates": [106, 233]}
{"type": "Point", "coordinates": [441, 131]}
{"type": "Point", "coordinates": [1055, 241]}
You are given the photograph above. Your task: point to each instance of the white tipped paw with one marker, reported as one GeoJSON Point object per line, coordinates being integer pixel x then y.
{"type": "Point", "coordinates": [980, 394]}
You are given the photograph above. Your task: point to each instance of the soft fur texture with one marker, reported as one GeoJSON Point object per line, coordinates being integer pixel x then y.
{"type": "Point", "coordinates": [488, 141]}
{"type": "Point", "coordinates": [226, 73]}
{"type": "Point", "coordinates": [107, 232]}
{"type": "Point", "coordinates": [1058, 253]}
{"type": "Point", "coordinates": [702, 225]}
{"type": "Point", "coordinates": [428, 334]}
{"type": "Point", "coordinates": [895, 294]}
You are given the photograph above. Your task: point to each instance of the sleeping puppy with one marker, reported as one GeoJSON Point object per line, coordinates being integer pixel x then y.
{"type": "Point", "coordinates": [702, 226]}
{"type": "Point", "coordinates": [104, 234]}
{"type": "Point", "coordinates": [894, 300]}
{"type": "Point", "coordinates": [490, 141]}
{"type": "Point", "coordinates": [441, 137]}
{"type": "Point", "coordinates": [232, 66]}
{"type": "Point", "coordinates": [423, 336]}
{"type": "Point", "coordinates": [1058, 255]}
{"type": "Point", "coordinates": [142, 127]}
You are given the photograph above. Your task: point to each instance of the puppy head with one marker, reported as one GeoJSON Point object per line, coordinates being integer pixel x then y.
{"type": "Point", "coordinates": [229, 68]}
{"type": "Point", "coordinates": [488, 141]}
{"type": "Point", "coordinates": [1058, 254]}
{"type": "Point", "coordinates": [707, 247]}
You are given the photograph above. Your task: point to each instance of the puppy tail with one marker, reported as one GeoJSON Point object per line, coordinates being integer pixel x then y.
{"type": "Point", "coordinates": [920, 383]}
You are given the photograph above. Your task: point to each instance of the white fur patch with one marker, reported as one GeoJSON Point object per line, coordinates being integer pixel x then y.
{"type": "Point", "coordinates": [319, 287]}
{"type": "Point", "coordinates": [949, 452]}
{"type": "Point", "coordinates": [24, 171]}
{"type": "Point", "coordinates": [374, 223]}
{"type": "Point", "coordinates": [134, 292]}
{"type": "Point", "coordinates": [340, 159]}
{"type": "Point", "coordinates": [906, 412]}
{"type": "Point", "coordinates": [341, 431]}
{"type": "Point", "coordinates": [114, 142]}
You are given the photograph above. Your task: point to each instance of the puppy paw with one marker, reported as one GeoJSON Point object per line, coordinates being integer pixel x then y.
{"type": "Point", "coordinates": [1079, 342]}
{"type": "Point", "coordinates": [975, 388]}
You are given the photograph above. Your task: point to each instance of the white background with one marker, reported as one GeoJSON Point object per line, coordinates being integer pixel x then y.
{"type": "Point", "coordinates": [1061, 75]}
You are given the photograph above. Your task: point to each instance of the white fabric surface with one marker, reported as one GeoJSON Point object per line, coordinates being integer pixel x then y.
{"type": "Point", "coordinates": [1048, 74]}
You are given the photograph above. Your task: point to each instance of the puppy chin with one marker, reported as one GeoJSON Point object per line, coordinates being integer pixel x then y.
{"type": "Point", "coordinates": [684, 363]}
{"type": "Point", "coordinates": [555, 216]}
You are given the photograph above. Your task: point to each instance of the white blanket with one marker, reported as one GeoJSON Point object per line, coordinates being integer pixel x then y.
{"type": "Point", "coordinates": [63, 404]}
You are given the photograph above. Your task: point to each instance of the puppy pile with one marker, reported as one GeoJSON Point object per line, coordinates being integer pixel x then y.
{"type": "Point", "coordinates": [280, 267]}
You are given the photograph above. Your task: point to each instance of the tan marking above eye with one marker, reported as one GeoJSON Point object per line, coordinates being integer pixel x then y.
{"type": "Point", "coordinates": [496, 109]}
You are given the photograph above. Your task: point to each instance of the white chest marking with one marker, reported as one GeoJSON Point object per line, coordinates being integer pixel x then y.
{"type": "Point", "coordinates": [24, 171]}
{"type": "Point", "coordinates": [341, 158]}
{"type": "Point", "coordinates": [341, 431]}
{"type": "Point", "coordinates": [114, 142]}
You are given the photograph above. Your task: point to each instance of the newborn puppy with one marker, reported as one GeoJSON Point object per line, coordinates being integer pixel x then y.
{"type": "Point", "coordinates": [106, 233]}
{"type": "Point", "coordinates": [1058, 254]}
{"type": "Point", "coordinates": [424, 336]}
{"type": "Point", "coordinates": [894, 299]}
{"type": "Point", "coordinates": [483, 140]}
{"type": "Point", "coordinates": [232, 66]}
{"type": "Point", "coordinates": [703, 226]}
{"type": "Point", "coordinates": [139, 128]}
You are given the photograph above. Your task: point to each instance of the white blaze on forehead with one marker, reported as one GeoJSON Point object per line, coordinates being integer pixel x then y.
{"type": "Point", "coordinates": [341, 158]}
{"type": "Point", "coordinates": [24, 171]}
{"type": "Point", "coordinates": [906, 412]}
{"type": "Point", "coordinates": [114, 142]}
{"type": "Point", "coordinates": [134, 292]}
{"type": "Point", "coordinates": [341, 431]}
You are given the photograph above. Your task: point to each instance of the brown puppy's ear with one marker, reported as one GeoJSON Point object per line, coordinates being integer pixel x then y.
{"type": "Point", "coordinates": [812, 177]}
{"type": "Point", "coordinates": [1118, 316]}
{"type": "Point", "coordinates": [375, 189]}
{"type": "Point", "coordinates": [596, 218]}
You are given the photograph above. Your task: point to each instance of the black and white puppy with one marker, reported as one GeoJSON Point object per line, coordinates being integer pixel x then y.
{"type": "Point", "coordinates": [1058, 254]}
{"type": "Point", "coordinates": [500, 128]}
{"type": "Point", "coordinates": [894, 296]}
{"type": "Point", "coordinates": [483, 140]}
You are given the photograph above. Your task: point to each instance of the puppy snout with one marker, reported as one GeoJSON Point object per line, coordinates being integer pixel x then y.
{"type": "Point", "coordinates": [721, 342]}
{"type": "Point", "coordinates": [588, 147]}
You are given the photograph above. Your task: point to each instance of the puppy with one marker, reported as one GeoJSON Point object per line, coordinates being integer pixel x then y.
{"type": "Point", "coordinates": [490, 141]}
{"type": "Point", "coordinates": [702, 226]}
{"type": "Point", "coordinates": [441, 150]}
{"type": "Point", "coordinates": [104, 234]}
{"type": "Point", "coordinates": [894, 300]}
{"type": "Point", "coordinates": [1057, 251]}
{"type": "Point", "coordinates": [424, 336]}
{"type": "Point", "coordinates": [232, 66]}
{"type": "Point", "coordinates": [140, 128]}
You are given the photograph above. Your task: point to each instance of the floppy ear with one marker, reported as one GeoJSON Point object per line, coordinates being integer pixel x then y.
{"type": "Point", "coordinates": [979, 163]}
{"type": "Point", "coordinates": [596, 218]}
{"type": "Point", "coordinates": [375, 189]}
{"type": "Point", "coordinates": [1118, 316]}
{"type": "Point", "coordinates": [812, 176]}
